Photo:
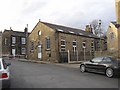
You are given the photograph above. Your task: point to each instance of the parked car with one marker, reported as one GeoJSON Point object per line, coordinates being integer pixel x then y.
{"type": "Point", "coordinates": [105, 65]}
{"type": "Point", "coordinates": [4, 74]}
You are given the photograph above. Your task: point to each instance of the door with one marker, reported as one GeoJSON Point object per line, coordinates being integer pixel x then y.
{"type": "Point", "coordinates": [39, 52]}
{"type": "Point", "coordinates": [13, 52]}
{"type": "Point", "coordinates": [95, 64]}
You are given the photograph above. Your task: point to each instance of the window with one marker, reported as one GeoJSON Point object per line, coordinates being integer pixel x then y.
{"type": "Point", "coordinates": [107, 59]}
{"type": "Point", "coordinates": [63, 43]}
{"type": "Point", "coordinates": [92, 45]}
{"type": "Point", "coordinates": [13, 40]}
{"type": "Point", "coordinates": [97, 60]}
{"type": "Point", "coordinates": [84, 44]}
{"type": "Point", "coordinates": [39, 33]}
{"type": "Point", "coordinates": [23, 51]}
{"type": "Point", "coordinates": [74, 45]}
{"type": "Point", "coordinates": [48, 43]}
{"type": "Point", "coordinates": [32, 45]}
{"type": "Point", "coordinates": [112, 36]}
{"type": "Point", "coordinates": [23, 40]}
{"type": "Point", "coordinates": [5, 41]}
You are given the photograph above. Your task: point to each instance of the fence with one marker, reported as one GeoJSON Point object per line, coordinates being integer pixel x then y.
{"type": "Point", "coordinates": [11, 56]}
{"type": "Point", "coordinates": [115, 54]}
{"type": "Point", "coordinates": [77, 56]}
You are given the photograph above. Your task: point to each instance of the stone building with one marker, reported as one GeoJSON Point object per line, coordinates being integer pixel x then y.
{"type": "Point", "coordinates": [113, 33]}
{"type": "Point", "coordinates": [51, 42]}
{"type": "Point", "coordinates": [14, 43]}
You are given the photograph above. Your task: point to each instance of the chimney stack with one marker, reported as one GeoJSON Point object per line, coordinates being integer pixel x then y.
{"type": "Point", "coordinates": [89, 28]}
{"type": "Point", "coordinates": [11, 28]}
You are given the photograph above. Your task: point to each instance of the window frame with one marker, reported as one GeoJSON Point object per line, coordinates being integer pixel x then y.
{"type": "Point", "coordinates": [63, 45]}
{"type": "Point", "coordinates": [48, 43]}
{"type": "Point", "coordinates": [13, 40]}
{"type": "Point", "coordinates": [23, 40]}
{"type": "Point", "coordinates": [74, 44]}
{"type": "Point", "coordinates": [22, 51]}
{"type": "Point", "coordinates": [97, 59]}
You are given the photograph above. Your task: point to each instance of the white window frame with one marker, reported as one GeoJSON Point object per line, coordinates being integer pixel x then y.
{"type": "Point", "coordinates": [23, 40]}
{"type": "Point", "coordinates": [13, 40]}
{"type": "Point", "coordinates": [23, 50]}
{"type": "Point", "coordinates": [74, 46]}
{"type": "Point", "coordinates": [48, 43]}
{"type": "Point", "coordinates": [61, 48]}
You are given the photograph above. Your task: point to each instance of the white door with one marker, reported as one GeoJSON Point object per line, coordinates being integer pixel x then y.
{"type": "Point", "coordinates": [13, 52]}
{"type": "Point", "coordinates": [39, 52]}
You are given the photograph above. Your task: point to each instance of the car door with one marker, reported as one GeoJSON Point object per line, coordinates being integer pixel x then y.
{"type": "Point", "coordinates": [94, 64]}
{"type": "Point", "coordinates": [105, 62]}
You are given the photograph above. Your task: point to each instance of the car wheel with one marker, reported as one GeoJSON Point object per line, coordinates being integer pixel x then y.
{"type": "Point", "coordinates": [82, 68]}
{"type": "Point", "coordinates": [109, 72]}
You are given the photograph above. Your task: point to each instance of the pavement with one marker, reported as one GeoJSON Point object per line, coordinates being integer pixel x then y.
{"type": "Point", "coordinates": [69, 65]}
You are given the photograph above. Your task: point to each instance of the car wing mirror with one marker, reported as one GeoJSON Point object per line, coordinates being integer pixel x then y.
{"type": "Point", "coordinates": [91, 61]}
{"type": "Point", "coordinates": [8, 64]}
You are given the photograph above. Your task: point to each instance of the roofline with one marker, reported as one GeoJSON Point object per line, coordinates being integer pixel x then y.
{"type": "Point", "coordinates": [35, 26]}
{"type": "Point", "coordinates": [63, 26]}
{"type": "Point", "coordinates": [79, 35]}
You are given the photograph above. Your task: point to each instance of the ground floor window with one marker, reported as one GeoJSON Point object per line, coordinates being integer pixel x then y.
{"type": "Point", "coordinates": [23, 51]}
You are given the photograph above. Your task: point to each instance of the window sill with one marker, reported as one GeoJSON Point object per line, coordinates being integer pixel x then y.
{"type": "Point", "coordinates": [48, 50]}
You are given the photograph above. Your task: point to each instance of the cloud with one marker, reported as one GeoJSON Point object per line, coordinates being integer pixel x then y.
{"type": "Point", "coordinates": [74, 13]}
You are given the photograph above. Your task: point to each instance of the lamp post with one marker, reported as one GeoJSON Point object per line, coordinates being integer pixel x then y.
{"type": "Point", "coordinates": [99, 23]}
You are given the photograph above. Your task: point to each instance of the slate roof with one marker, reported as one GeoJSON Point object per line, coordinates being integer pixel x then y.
{"type": "Point", "coordinates": [16, 33]}
{"type": "Point", "coordinates": [70, 30]}
{"type": "Point", "coordinates": [116, 25]}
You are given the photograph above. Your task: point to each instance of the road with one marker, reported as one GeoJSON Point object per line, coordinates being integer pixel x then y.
{"type": "Point", "coordinates": [34, 75]}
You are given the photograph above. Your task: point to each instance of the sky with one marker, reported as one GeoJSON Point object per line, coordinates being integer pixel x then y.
{"type": "Point", "coordinates": [73, 13]}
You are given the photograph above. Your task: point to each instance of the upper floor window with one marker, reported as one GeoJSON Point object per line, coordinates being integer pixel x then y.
{"type": "Point", "coordinates": [74, 45]}
{"type": "Point", "coordinates": [23, 40]}
{"type": "Point", "coordinates": [47, 43]}
{"type": "Point", "coordinates": [5, 41]}
{"type": "Point", "coordinates": [13, 40]}
{"type": "Point", "coordinates": [112, 36]}
{"type": "Point", "coordinates": [63, 45]}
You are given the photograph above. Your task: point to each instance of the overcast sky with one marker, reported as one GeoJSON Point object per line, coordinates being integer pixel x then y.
{"type": "Point", "coordinates": [73, 13]}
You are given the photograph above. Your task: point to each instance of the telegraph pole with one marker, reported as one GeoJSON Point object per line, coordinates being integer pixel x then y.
{"type": "Point", "coordinates": [100, 34]}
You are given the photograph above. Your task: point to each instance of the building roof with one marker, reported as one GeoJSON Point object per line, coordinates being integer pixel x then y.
{"type": "Point", "coordinates": [69, 30]}
{"type": "Point", "coordinates": [16, 33]}
{"type": "Point", "coordinates": [116, 25]}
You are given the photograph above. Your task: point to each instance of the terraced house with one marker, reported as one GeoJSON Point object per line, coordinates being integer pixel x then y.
{"type": "Point", "coordinates": [57, 43]}
{"type": "Point", "coordinates": [14, 43]}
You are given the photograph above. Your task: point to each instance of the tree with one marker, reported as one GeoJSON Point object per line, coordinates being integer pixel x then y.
{"type": "Point", "coordinates": [97, 27]}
